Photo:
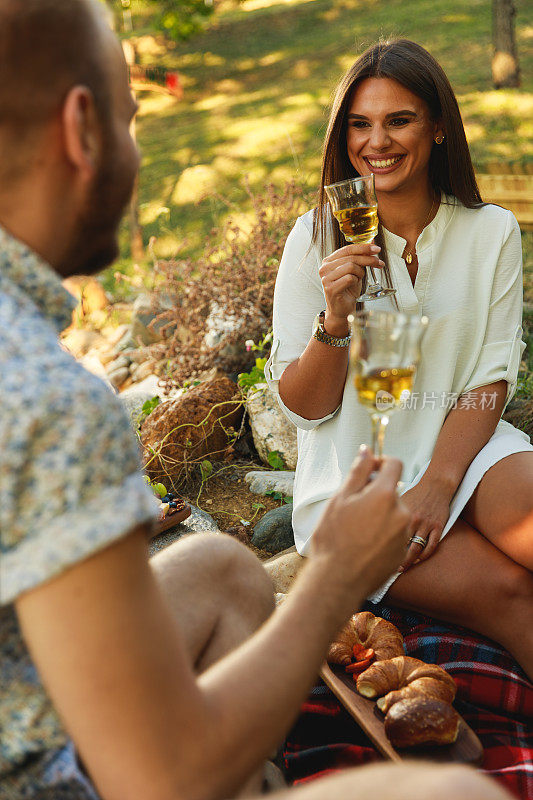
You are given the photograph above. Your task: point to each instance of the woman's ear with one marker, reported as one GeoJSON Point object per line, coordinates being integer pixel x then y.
{"type": "Point", "coordinates": [81, 131]}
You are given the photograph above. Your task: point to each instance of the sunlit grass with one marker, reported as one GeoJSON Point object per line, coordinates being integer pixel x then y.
{"type": "Point", "coordinates": [257, 85]}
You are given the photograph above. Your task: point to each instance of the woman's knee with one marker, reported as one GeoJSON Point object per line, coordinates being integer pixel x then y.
{"type": "Point", "coordinates": [513, 589]}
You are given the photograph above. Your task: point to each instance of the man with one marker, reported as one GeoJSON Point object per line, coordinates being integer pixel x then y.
{"type": "Point", "coordinates": [121, 678]}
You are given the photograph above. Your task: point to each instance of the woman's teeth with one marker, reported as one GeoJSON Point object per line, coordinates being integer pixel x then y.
{"type": "Point", "coordinates": [384, 163]}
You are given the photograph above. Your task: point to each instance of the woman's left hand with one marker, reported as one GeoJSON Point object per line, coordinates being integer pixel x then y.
{"type": "Point", "coordinates": [429, 503]}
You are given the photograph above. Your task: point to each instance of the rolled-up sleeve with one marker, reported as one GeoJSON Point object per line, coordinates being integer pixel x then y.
{"type": "Point", "coordinates": [502, 348]}
{"type": "Point", "coordinates": [298, 298]}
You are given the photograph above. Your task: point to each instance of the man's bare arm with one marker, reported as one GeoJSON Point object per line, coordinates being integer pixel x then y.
{"type": "Point", "coordinates": [114, 664]}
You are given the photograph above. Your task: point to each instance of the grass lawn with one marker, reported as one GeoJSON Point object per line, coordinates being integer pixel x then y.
{"type": "Point", "coordinates": [257, 87]}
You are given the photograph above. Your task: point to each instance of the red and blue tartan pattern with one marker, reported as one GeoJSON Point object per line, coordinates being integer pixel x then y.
{"type": "Point", "coordinates": [494, 696]}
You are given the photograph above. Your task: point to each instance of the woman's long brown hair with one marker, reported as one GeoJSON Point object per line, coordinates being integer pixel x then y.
{"type": "Point", "coordinates": [450, 164]}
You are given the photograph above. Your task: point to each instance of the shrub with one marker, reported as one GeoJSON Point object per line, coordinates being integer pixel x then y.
{"type": "Point", "coordinates": [236, 273]}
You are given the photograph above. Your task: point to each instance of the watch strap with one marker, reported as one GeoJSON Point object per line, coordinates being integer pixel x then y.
{"type": "Point", "coordinates": [320, 334]}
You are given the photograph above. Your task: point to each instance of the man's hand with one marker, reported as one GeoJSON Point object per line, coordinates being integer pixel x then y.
{"type": "Point", "coordinates": [364, 529]}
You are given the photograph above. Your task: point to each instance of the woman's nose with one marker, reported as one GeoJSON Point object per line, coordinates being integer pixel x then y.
{"type": "Point", "coordinates": [379, 137]}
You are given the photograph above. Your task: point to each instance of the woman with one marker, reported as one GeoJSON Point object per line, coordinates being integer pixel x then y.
{"type": "Point", "coordinates": [468, 475]}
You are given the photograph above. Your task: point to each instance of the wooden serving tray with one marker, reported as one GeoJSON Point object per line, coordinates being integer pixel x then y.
{"type": "Point", "coordinates": [466, 749]}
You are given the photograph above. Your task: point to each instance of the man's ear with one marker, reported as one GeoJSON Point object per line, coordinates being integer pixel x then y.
{"type": "Point", "coordinates": [81, 131]}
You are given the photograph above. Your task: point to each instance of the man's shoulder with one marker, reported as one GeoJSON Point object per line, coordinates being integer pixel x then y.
{"type": "Point", "coordinates": [38, 375]}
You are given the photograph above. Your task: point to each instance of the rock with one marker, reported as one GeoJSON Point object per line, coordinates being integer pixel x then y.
{"type": "Point", "coordinates": [143, 371]}
{"type": "Point", "coordinates": [274, 531]}
{"type": "Point", "coordinates": [118, 363]}
{"type": "Point", "coordinates": [261, 482]}
{"type": "Point", "coordinates": [92, 363]}
{"type": "Point", "coordinates": [79, 341]}
{"type": "Point", "coordinates": [136, 396]}
{"type": "Point", "coordinates": [197, 522]}
{"type": "Point", "coordinates": [88, 292]}
{"type": "Point", "coordinates": [283, 570]}
{"type": "Point", "coordinates": [118, 376]}
{"type": "Point", "coordinates": [270, 427]}
{"type": "Point", "coordinates": [191, 426]}
{"type": "Point", "coordinates": [219, 324]}
{"type": "Point", "coordinates": [145, 311]}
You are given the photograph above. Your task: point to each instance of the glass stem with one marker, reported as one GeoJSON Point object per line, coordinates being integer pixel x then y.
{"type": "Point", "coordinates": [372, 286]}
{"type": "Point", "coordinates": [379, 423]}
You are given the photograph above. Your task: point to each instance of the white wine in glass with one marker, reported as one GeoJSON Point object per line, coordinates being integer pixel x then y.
{"type": "Point", "coordinates": [384, 355]}
{"type": "Point", "coordinates": [354, 206]}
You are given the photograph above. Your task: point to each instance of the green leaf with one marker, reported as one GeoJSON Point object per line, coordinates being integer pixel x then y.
{"type": "Point", "coordinates": [149, 406]}
{"type": "Point", "coordinates": [206, 469]}
{"type": "Point", "coordinates": [275, 459]}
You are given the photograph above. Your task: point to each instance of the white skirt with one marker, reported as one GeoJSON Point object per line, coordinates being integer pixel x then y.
{"type": "Point", "coordinates": [496, 448]}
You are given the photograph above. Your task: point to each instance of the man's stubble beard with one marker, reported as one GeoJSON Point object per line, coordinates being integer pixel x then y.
{"type": "Point", "coordinates": [94, 243]}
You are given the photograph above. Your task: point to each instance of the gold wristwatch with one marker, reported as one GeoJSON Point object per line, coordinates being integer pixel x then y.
{"type": "Point", "coordinates": [321, 336]}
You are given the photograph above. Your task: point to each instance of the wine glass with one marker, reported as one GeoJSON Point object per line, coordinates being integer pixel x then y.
{"type": "Point", "coordinates": [384, 354]}
{"type": "Point", "coordinates": [354, 205]}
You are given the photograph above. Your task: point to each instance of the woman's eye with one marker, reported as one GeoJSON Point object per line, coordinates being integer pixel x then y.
{"type": "Point", "coordinates": [359, 123]}
{"type": "Point", "coordinates": [399, 121]}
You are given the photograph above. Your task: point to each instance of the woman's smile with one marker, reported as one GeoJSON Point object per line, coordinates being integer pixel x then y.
{"type": "Point", "coordinates": [390, 133]}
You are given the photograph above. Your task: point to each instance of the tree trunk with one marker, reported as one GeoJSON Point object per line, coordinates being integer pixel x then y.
{"type": "Point", "coordinates": [136, 238]}
{"type": "Point", "coordinates": [505, 69]}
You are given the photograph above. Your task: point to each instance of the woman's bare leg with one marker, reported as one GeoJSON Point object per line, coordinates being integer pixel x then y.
{"type": "Point", "coordinates": [470, 582]}
{"type": "Point", "coordinates": [501, 508]}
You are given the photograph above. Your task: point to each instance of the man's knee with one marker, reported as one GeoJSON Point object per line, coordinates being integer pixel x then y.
{"type": "Point", "coordinates": [223, 566]}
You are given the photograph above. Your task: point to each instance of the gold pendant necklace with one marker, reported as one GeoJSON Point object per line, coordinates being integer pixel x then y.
{"type": "Point", "coordinates": [408, 257]}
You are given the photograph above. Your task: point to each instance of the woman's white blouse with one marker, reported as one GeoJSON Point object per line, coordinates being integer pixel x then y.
{"type": "Point", "coordinates": [469, 285]}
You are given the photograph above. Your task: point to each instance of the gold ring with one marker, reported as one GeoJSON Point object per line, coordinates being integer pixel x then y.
{"type": "Point", "coordinates": [418, 540]}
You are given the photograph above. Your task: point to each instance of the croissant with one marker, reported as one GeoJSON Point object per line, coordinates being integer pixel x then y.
{"type": "Point", "coordinates": [395, 673]}
{"type": "Point", "coordinates": [370, 631]}
{"type": "Point", "coordinates": [421, 721]}
{"type": "Point", "coordinates": [428, 687]}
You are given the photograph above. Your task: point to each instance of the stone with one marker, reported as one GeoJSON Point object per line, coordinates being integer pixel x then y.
{"type": "Point", "coordinates": [198, 521]}
{"type": "Point", "coordinates": [79, 341]}
{"type": "Point", "coordinates": [271, 429]}
{"type": "Point", "coordinates": [92, 363]}
{"type": "Point", "coordinates": [219, 324]}
{"type": "Point", "coordinates": [117, 377]}
{"type": "Point", "coordinates": [88, 292]}
{"type": "Point", "coordinates": [191, 426]}
{"type": "Point", "coordinates": [283, 569]}
{"type": "Point", "coordinates": [118, 363]}
{"type": "Point", "coordinates": [143, 371]}
{"type": "Point", "coordinates": [274, 531]}
{"type": "Point", "coordinates": [145, 310]}
{"type": "Point", "coordinates": [263, 481]}
{"type": "Point", "coordinates": [136, 396]}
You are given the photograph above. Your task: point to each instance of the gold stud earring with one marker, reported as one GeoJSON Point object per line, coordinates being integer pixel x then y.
{"type": "Point", "coordinates": [439, 139]}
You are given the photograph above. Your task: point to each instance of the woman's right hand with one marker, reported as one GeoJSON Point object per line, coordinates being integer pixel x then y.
{"type": "Point", "coordinates": [342, 273]}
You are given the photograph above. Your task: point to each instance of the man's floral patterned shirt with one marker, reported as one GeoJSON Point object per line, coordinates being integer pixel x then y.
{"type": "Point", "coordinates": [70, 483]}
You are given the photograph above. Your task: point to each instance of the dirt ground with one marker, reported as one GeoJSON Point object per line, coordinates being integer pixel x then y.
{"type": "Point", "coordinates": [226, 496]}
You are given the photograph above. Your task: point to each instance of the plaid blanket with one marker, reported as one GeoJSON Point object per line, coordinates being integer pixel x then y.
{"type": "Point", "coordinates": [494, 696]}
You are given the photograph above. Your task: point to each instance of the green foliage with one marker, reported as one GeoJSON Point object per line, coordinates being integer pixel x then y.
{"type": "Point", "coordinates": [524, 385]}
{"type": "Point", "coordinates": [247, 380]}
{"type": "Point", "coordinates": [206, 468]}
{"type": "Point", "coordinates": [285, 499]}
{"type": "Point", "coordinates": [275, 459]}
{"type": "Point", "coordinates": [181, 19]}
{"type": "Point", "coordinates": [149, 406]}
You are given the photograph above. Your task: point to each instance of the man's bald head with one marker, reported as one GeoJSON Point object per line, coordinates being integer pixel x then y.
{"type": "Point", "coordinates": [46, 48]}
